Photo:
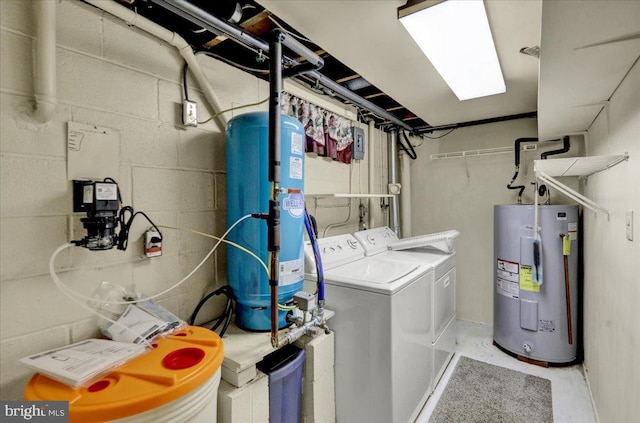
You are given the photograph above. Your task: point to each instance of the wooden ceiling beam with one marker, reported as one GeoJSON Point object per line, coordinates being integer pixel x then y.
{"type": "Point", "coordinates": [251, 22]}
{"type": "Point", "coordinates": [347, 78]}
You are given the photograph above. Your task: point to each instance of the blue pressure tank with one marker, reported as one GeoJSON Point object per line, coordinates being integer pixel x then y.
{"type": "Point", "coordinates": [249, 191]}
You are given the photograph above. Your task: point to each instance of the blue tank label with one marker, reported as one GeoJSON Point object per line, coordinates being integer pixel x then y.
{"type": "Point", "coordinates": [294, 204]}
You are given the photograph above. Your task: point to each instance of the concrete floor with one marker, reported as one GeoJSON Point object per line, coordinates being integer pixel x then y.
{"type": "Point", "coordinates": [571, 397]}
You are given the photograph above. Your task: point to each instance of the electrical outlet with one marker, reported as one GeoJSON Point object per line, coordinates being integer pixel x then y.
{"type": "Point", "coordinates": [152, 243]}
{"type": "Point", "coordinates": [189, 113]}
{"type": "Point", "coordinates": [629, 224]}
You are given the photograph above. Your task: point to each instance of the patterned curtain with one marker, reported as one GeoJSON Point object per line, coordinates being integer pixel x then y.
{"type": "Point", "coordinates": [326, 134]}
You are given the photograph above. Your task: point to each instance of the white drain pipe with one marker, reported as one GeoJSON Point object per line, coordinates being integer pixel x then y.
{"type": "Point", "coordinates": [185, 50]}
{"type": "Point", "coordinates": [394, 202]}
{"type": "Point", "coordinates": [405, 194]}
{"type": "Point", "coordinates": [45, 61]}
{"type": "Point", "coordinates": [373, 202]}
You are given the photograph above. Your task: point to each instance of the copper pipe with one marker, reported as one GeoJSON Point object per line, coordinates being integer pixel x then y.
{"type": "Point", "coordinates": [274, 276]}
{"type": "Point", "coordinates": [567, 293]}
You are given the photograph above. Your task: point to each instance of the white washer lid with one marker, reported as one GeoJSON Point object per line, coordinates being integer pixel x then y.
{"type": "Point", "coordinates": [372, 271]}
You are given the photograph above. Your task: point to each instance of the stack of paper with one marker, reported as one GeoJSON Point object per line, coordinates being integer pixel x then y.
{"type": "Point", "coordinates": [81, 363]}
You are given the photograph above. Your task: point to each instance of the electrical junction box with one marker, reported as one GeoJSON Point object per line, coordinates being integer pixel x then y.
{"type": "Point", "coordinates": [358, 143]}
{"type": "Point", "coordinates": [304, 300]}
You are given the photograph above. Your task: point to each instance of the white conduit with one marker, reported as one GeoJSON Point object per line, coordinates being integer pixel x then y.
{"type": "Point", "coordinates": [405, 194]}
{"type": "Point", "coordinates": [185, 50]}
{"type": "Point", "coordinates": [45, 61]}
{"type": "Point", "coordinates": [372, 172]}
{"type": "Point", "coordinates": [394, 202]}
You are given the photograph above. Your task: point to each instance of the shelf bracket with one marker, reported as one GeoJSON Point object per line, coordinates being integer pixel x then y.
{"type": "Point", "coordinates": [571, 193]}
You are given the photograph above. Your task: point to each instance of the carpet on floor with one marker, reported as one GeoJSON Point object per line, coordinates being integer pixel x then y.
{"type": "Point", "coordinates": [479, 392]}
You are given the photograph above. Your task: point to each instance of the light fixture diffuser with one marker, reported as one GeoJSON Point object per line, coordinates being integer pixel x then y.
{"type": "Point", "coordinates": [456, 37]}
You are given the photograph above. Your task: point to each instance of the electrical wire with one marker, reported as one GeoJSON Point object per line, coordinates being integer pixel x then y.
{"type": "Point", "coordinates": [230, 62]}
{"type": "Point", "coordinates": [288, 32]}
{"type": "Point", "coordinates": [184, 80]}
{"type": "Point", "coordinates": [210, 54]}
{"type": "Point", "coordinates": [234, 108]}
{"type": "Point", "coordinates": [95, 300]}
{"type": "Point", "coordinates": [411, 152]}
{"type": "Point", "coordinates": [441, 136]}
{"type": "Point", "coordinates": [225, 317]}
{"type": "Point", "coordinates": [125, 226]}
{"type": "Point", "coordinates": [226, 241]}
{"type": "Point", "coordinates": [240, 247]}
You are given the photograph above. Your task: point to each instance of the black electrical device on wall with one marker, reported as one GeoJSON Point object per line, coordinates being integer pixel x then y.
{"type": "Point", "coordinates": [102, 203]}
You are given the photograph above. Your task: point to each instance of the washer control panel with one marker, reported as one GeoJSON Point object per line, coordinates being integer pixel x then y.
{"type": "Point", "coordinates": [376, 240]}
{"type": "Point", "coordinates": [334, 251]}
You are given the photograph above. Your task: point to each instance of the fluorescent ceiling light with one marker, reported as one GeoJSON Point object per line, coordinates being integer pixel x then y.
{"type": "Point", "coordinates": [456, 37]}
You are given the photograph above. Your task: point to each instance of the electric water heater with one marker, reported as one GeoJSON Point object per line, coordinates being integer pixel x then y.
{"type": "Point", "coordinates": [536, 282]}
{"type": "Point", "coordinates": [249, 191]}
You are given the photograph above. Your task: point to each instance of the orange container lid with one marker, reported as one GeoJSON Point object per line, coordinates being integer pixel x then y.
{"type": "Point", "coordinates": [177, 365]}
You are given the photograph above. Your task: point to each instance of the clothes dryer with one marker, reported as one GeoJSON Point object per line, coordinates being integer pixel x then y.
{"type": "Point", "coordinates": [441, 310]}
{"type": "Point", "coordinates": [382, 352]}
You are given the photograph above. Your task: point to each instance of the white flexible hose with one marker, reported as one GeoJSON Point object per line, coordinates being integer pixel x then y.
{"type": "Point", "coordinates": [70, 293]}
{"type": "Point", "coordinates": [68, 290]}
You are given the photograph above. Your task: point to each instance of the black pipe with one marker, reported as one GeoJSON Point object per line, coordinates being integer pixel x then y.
{"type": "Point", "coordinates": [299, 48]}
{"type": "Point", "coordinates": [275, 92]}
{"type": "Point", "coordinates": [430, 129]}
{"type": "Point", "coordinates": [195, 14]}
{"type": "Point", "coordinates": [521, 188]}
{"type": "Point", "coordinates": [275, 122]}
{"type": "Point", "coordinates": [566, 145]}
{"type": "Point", "coordinates": [517, 147]}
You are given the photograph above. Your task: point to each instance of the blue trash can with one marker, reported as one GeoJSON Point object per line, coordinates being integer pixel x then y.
{"type": "Point", "coordinates": [284, 368]}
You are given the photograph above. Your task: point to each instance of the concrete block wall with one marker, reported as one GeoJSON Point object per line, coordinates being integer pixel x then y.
{"type": "Point", "coordinates": [112, 76]}
{"type": "Point", "coordinates": [247, 404]}
{"type": "Point", "coordinates": [115, 76]}
{"type": "Point", "coordinates": [318, 385]}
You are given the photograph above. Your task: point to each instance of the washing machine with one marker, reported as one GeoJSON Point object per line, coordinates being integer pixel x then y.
{"type": "Point", "coordinates": [382, 351]}
{"type": "Point", "coordinates": [378, 242]}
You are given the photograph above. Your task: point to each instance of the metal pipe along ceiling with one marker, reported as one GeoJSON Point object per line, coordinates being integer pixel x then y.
{"type": "Point", "coordinates": [206, 20]}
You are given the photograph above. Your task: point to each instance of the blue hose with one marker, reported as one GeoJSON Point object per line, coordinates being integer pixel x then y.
{"type": "Point", "coordinates": [316, 255]}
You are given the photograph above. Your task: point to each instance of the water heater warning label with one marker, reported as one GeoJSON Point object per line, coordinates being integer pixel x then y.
{"type": "Point", "coordinates": [507, 288]}
{"type": "Point", "coordinates": [507, 279]}
{"type": "Point", "coordinates": [291, 271]}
